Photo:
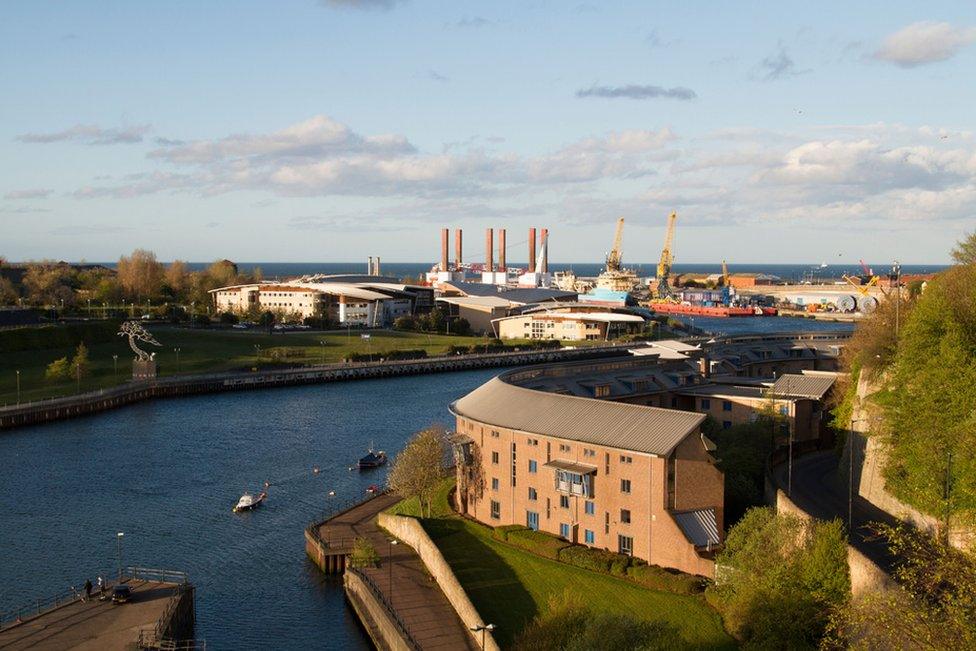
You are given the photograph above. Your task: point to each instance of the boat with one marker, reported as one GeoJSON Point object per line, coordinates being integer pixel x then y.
{"type": "Point", "coordinates": [373, 489]}
{"type": "Point", "coordinates": [249, 502]}
{"type": "Point", "coordinates": [372, 460]}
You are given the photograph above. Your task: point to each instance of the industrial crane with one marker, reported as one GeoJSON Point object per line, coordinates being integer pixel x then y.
{"type": "Point", "coordinates": [614, 257]}
{"type": "Point", "coordinates": [726, 280]}
{"type": "Point", "coordinates": [667, 259]}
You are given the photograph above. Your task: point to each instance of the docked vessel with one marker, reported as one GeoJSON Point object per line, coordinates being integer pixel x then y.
{"type": "Point", "coordinates": [249, 502]}
{"type": "Point", "coordinates": [711, 310]}
{"type": "Point", "coordinates": [372, 460]}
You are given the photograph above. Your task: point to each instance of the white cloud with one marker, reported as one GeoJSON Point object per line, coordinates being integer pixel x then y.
{"type": "Point", "coordinates": [90, 134]}
{"type": "Point", "coordinates": [34, 193]}
{"type": "Point", "coordinates": [924, 42]}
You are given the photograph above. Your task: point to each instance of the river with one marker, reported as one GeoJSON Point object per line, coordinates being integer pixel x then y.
{"type": "Point", "coordinates": [166, 474]}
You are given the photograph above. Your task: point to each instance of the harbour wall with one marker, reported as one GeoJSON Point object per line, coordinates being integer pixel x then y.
{"type": "Point", "coordinates": [375, 614]}
{"type": "Point", "coordinates": [172, 387]}
{"type": "Point", "coordinates": [410, 531]}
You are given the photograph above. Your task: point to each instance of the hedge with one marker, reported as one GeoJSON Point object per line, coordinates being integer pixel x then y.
{"type": "Point", "coordinates": [658, 578]}
{"type": "Point", "coordinates": [418, 353]}
{"type": "Point", "coordinates": [597, 560]}
{"type": "Point", "coordinates": [501, 533]}
{"type": "Point", "coordinates": [537, 542]}
{"type": "Point", "coordinates": [66, 335]}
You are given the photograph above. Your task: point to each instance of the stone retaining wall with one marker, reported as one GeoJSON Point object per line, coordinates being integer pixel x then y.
{"type": "Point", "coordinates": [374, 616]}
{"type": "Point", "coordinates": [410, 531]}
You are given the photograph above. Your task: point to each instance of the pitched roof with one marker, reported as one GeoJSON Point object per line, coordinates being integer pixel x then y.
{"type": "Point", "coordinates": [700, 527]}
{"type": "Point", "coordinates": [600, 422]}
{"type": "Point", "coordinates": [814, 386]}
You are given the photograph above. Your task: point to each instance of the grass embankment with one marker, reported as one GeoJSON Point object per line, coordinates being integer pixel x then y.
{"type": "Point", "coordinates": [510, 586]}
{"type": "Point", "coordinates": [200, 351]}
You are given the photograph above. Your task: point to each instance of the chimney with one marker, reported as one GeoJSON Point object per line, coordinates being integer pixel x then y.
{"type": "Point", "coordinates": [705, 366]}
{"type": "Point", "coordinates": [369, 266]}
{"type": "Point", "coordinates": [376, 268]}
{"type": "Point", "coordinates": [531, 250]}
{"type": "Point", "coordinates": [444, 239]}
{"type": "Point", "coordinates": [545, 250]}
{"type": "Point", "coordinates": [457, 249]}
{"type": "Point", "coordinates": [489, 250]}
{"type": "Point", "coordinates": [501, 249]}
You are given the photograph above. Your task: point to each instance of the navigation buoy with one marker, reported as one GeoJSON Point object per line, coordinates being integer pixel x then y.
{"type": "Point", "coordinates": [315, 470]}
{"type": "Point", "coordinates": [331, 493]}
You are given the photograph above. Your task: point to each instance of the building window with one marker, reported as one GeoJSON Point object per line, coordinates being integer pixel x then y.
{"type": "Point", "coordinates": [625, 545]}
{"type": "Point", "coordinates": [624, 516]}
{"type": "Point", "coordinates": [533, 495]}
{"type": "Point", "coordinates": [624, 459]}
{"type": "Point", "coordinates": [606, 461]}
{"type": "Point", "coordinates": [589, 537]}
{"type": "Point", "coordinates": [564, 448]}
{"type": "Point", "coordinates": [624, 485]}
{"type": "Point", "coordinates": [706, 403]}
{"type": "Point", "coordinates": [726, 405]}
{"type": "Point", "coordinates": [532, 520]}
{"type": "Point", "coordinates": [496, 510]}
{"type": "Point", "coordinates": [564, 530]}
{"type": "Point", "coordinates": [589, 507]}
{"type": "Point", "coordinates": [574, 482]}
{"type": "Point", "coordinates": [494, 434]}
{"type": "Point", "coordinates": [601, 390]}
{"type": "Point", "coordinates": [494, 484]}
{"type": "Point", "coordinates": [533, 465]}
{"type": "Point", "coordinates": [494, 457]}
{"type": "Point", "coordinates": [588, 452]}
{"type": "Point", "coordinates": [674, 403]}
{"type": "Point", "coordinates": [783, 410]}
{"type": "Point", "coordinates": [726, 424]}
{"type": "Point", "coordinates": [564, 501]}
{"type": "Point", "coordinates": [606, 522]}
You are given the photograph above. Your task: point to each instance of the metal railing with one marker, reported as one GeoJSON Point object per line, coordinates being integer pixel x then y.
{"type": "Point", "coordinates": [337, 508]}
{"type": "Point", "coordinates": [155, 575]}
{"type": "Point", "coordinates": [387, 606]}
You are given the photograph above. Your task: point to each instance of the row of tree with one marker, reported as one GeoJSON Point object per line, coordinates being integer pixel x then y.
{"type": "Point", "coordinates": [138, 278]}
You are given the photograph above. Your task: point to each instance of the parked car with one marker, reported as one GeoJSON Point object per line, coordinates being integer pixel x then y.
{"type": "Point", "coordinates": [121, 594]}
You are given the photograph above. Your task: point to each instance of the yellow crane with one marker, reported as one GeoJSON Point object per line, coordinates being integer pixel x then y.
{"type": "Point", "coordinates": [667, 259]}
{"type": "Point", "coordinates": [726, 280]}
{"type": "Point", "coordinates": [614, 257]}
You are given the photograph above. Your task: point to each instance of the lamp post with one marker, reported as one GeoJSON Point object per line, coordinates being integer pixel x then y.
{"type": "Point", "coordinates": [177, 351]}
{"type": "Point", "coordinates": [482, 628]}
{"type": "Point", "coordinates": [18, 387]}
{"type": "Point", "coordinates": [115, 366]}
{"type": "Point", "coordinates": [322, 341]}
{"type": "Point", "coordinates": [257, 354]}
{"type": "Point", "coordinates": [389, 559]}
{"type": "Point", "coordinates": [118, 542]}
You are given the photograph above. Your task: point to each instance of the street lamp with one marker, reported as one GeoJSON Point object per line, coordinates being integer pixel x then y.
{"type": "Point", "coordinates": [18, 387]}
{"type": "Point", "coordinates": [482, 628]}
{"type": "Point", "coordinates": [389, 556]}
{"type": "Point", "coordinates": [115, 365]}
{"type": "Point", "coordinates": [323, 350]}
{"type": "Point", "coordinates": [118, 540]}
{"type": "Point", "coordinates": [177, 351]}
{"type": "Point", "coordinates": [257, 354]}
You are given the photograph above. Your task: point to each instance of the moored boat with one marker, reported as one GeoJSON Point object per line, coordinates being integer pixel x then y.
{"type": "Point", "coordinates": [372, 460]}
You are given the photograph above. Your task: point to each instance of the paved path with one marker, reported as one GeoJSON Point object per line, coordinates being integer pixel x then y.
{"type": "Point", "coordinates": [425, 611]}
{"type": "Point", "coordinates": [820, 490]}
{"type": "Point", "coordinates": [92, 625]}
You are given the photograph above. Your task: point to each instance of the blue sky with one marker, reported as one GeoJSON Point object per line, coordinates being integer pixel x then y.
{"type": "Point", "coordinates": [304, 130]}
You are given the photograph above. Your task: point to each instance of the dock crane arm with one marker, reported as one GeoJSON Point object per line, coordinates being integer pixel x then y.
{"type": "Point", "coordinates": [614, 258]}
{"type": "Point", "coordinates": [667, 259]}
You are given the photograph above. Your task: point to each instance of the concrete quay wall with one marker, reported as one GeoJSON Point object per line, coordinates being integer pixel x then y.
{"type": "Point", "coordinates": [374, 615]}
{"type": "Point", "coordinates": [410, 531]}
{"type": "Point", "coordinates": [171, 387]}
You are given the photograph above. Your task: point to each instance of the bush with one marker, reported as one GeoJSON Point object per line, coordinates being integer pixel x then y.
{"type": "Point", "coordinates": [59, 369]}
{"type": "Point", "coordinates": [501, 533]}
{"type": "Point", "coordinates": [596, 560]}
{"type": "Point", "coordinates": [418, 353]}
{"type": "Point", "coordinates": [537, 542]}
{"type": "Point", "coordinates": [658, 578]}
{"type": "Point", "coordinates": [229, 318]}
{"type": "Point", "coordinates": [363, 554]}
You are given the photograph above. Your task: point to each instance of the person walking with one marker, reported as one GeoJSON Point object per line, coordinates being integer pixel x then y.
{"type": "Point", "coordinates": [88, 589]}
{"type": "Point", "coordinates": [101, 588]}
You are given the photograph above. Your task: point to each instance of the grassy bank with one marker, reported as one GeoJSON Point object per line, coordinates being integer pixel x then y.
{"type": "Point", "coordinates": [202, 351]}
{"type": "Point", "coordinates": [510, 587]}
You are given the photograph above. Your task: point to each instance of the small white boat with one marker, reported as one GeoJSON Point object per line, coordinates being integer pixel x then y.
{"type": "Point", "coordinates": [248, 502]}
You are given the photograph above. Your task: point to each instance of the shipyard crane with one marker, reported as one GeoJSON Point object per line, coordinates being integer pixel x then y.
{"type": "Point", "coordinates": [726, 280]}
{"type": "Point", "coordinates": [614, 258]}
{"type": "Point", "coordinates": [667, 259]}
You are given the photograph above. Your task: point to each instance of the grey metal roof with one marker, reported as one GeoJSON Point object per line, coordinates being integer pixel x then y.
{"type": "Point", "coordinates": [600, 422]}
{"type": "Point", "coordinates": [571, 466]}
{"type": "Point", "coordinates": [700, 527]}
{"type": "Point", "coordinates": [814, 386]}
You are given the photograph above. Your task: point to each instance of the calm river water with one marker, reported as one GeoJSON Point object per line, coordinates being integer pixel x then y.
{"type": "Point", "coordinates": [167, 473]}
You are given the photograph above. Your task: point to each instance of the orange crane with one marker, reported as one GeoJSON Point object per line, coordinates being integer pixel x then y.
{"type": "Point", "coordinates": [615, 257]}
{"type": "Point", "coordinates": [667, 260]}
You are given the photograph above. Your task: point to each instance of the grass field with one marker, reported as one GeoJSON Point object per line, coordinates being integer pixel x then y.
{"type": "Point", "coordinates": [203, 351]}
{"type": "Point", "coordinates": [509, 586]}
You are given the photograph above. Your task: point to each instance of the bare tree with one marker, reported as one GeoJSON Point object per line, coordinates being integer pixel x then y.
{"type": "Point", "coordinates": [140, 274]}
{"type": "Point", "coordinates": [419, 468]}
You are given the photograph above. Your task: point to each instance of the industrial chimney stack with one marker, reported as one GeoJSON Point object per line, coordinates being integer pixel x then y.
{"type": "Point", "coordinates": [445, 236]}
{"type": "Point", "coordinates": [501, 249]}
{"type": "Point", "coordinates": [545, 250]}
{"type": "Point", "coordinates": [457, 250]}
{"type": "Point", "coordinates": [531, 250]}
{"type": "Point", "coordinates": [489, 250]}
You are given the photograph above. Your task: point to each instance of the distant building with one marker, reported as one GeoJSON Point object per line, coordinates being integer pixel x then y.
{"type": "Point", "coordinates": [740, 280]}
{"type": "Point", "coordinates": [571, 322]}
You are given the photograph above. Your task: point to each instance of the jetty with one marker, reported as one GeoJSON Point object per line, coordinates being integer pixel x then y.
{"type": "Point", "coordinates": [159, 615]}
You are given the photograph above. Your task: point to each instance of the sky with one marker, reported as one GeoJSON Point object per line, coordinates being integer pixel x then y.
{"type": "Point", "coordinates": [306, 130]}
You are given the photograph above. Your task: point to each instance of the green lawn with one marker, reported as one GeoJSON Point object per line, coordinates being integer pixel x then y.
{"type": "Point", "coordinates": [509, 586]}
{"type": "Point", "coordinates": [205, 351]}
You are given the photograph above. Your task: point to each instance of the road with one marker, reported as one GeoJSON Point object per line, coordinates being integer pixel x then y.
{"type": "Point", "coordinates": [820, 490]}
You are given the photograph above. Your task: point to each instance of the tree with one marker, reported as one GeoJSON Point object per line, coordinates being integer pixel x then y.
{"type": "Point", "coordinates": [49, 283]}
{"type": "Point", "coordinates": [406, 322]}
{"type": "Point", "coordinates": [8, 293]}
{"type": "Point", "coordinates": [178, 278]}
{"type": "Point", "coordinates": [934, 606]}
{"type": "Point", "coordinates": [80, 365]}
{"type": "Point", "coordinates": [59, 369]}
{"type": "Point", "coordinates": [140, 275]}
{"type": "Point", "coordinates": [780, 578]}
{"type": "Point", "coordinates": [419, 468]}
{"type": "Point", "coordinates": [222, 273]}
{"type": "Point", "coordinates": [363, 554]}
{"type": "Point", "coordinates": [741, 452]}
{"type": "Point", "coordinates": [965, 250]}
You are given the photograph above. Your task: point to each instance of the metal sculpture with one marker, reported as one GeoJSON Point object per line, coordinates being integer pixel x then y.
{"type": "Point", "coordinates": [134, 330]}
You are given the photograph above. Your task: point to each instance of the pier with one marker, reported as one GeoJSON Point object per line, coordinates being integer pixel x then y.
{"type": "Point", "coordinates": [159, 615]}
{"type": "Point", "coordinates": [398, 603]}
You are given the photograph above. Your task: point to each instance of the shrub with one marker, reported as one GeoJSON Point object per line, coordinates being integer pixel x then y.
{"type": "Point", "coordinates": [537, 542]}
{"type": "Point", "coordinates": [229, 318]}
{"type": "Point", "coordinates": [596, 560]}
{"type": "Point", "coordinates": [59, 369]}
{"type": "Point", "coordinates": [501, 533]}
{"type": "Point", "coordinates": [363, 554]}
{"type": "Point", "coordinates": [658, 578]}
